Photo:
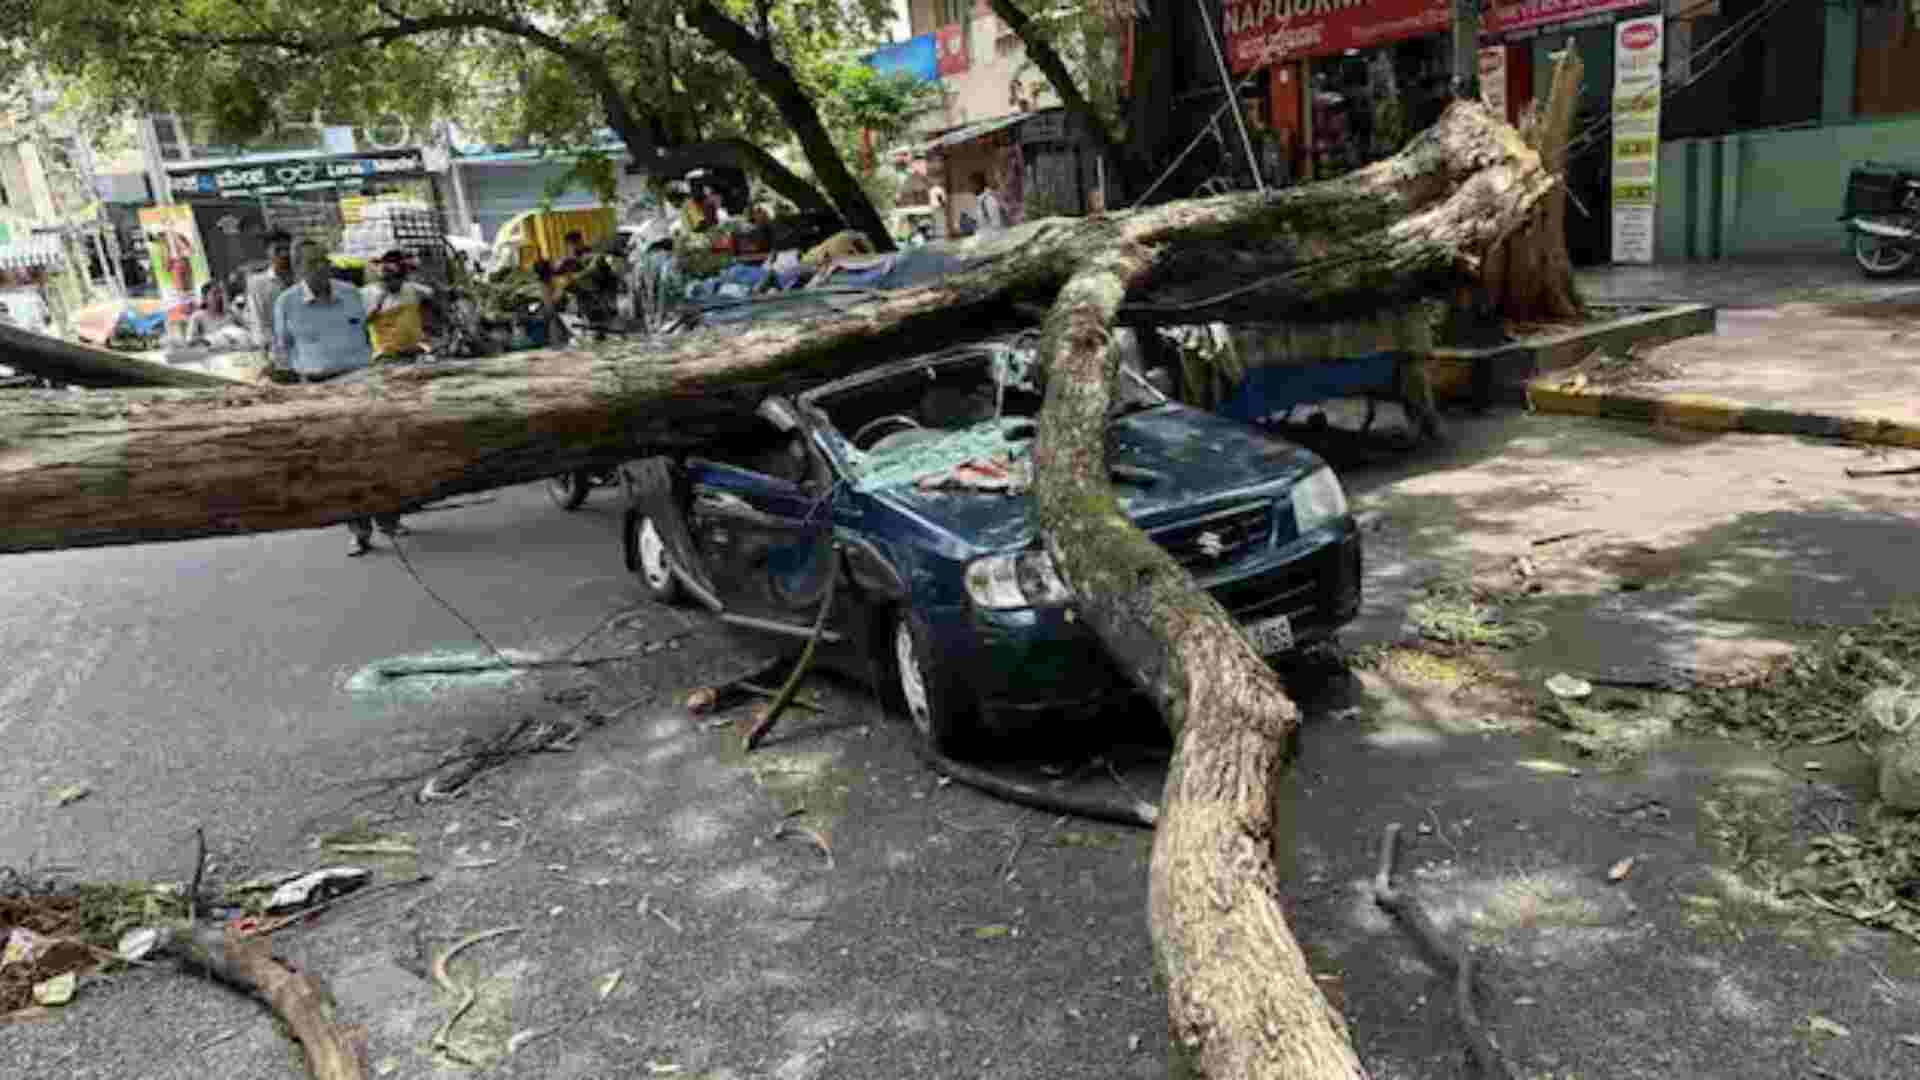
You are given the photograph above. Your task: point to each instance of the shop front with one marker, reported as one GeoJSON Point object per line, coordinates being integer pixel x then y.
{"type": "Point", "coordinates": [1612, 174]}
{"type": "Point", "coordinates": [1347, 81]}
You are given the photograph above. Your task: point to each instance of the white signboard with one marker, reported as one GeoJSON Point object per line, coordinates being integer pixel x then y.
{"type": "Point", "coordinates": [1639, 45]}
{"type": "Point", "coordinates": [1493, 79]}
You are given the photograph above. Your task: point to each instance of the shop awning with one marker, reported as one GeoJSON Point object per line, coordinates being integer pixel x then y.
{"type": "Point", "coordinates": [974, 131]}
{"type": "Point", "coordinates": [30, 252]}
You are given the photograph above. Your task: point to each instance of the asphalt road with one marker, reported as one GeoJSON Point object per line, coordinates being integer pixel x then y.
{"type": "Point", "coordinates": [665, 918]}
{"type": "Point", "coordinates": [209, 682]}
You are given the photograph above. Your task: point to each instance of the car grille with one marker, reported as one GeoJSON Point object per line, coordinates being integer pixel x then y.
{"type": "Point", "coordinates": [1219, 538]}
{"type": "Point", "coordinates": [1306, 591]}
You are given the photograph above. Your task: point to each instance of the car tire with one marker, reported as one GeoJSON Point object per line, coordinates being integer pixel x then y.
{"type": "Point", "coordinates": [944, 714]}
{"type": "Point", "coordinates": [569, 490]}
{"type": "Point", "coordinates": [651, 563]}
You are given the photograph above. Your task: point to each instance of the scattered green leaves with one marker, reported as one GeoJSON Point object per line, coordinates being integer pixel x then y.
{"type": "Point", "coordinates": [1458, 613]}
{"type": "Point", "coordinates": [1814, 697]}
{"type": "Point", "coordinates": [1870, 874]}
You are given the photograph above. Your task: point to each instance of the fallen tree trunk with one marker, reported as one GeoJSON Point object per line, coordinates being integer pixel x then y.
{"type": "Point", "coordinates": [71, 364]}
{"type": "Point", "coordinates": [157, 465]}
{"type": "Point", "coordinates": [1241, 1002]}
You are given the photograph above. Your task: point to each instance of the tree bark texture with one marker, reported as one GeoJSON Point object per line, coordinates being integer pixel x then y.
{"type": "Point", "coordinates": [72, 364]}
{"type": "Point", "coordinates": [1530, 277]}
{"type": "Point", "coordinates": [1241, 1001]}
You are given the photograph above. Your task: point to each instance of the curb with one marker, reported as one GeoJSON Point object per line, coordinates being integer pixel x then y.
{"type": "Point", "coordinates": [1500, 374]}
{"type": "Point", "coordinates": [1700, 413]}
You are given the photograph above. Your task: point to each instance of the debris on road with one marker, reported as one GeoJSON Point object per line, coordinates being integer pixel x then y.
{"type": "Point", "coordinates": [57, 990]}
{"type": "Point", "coordinates": [1455, 963]}
{"type": "Point", "coordinates": [318, 886]}
{"type": "Point", "coordinates": [1619, 871]}
{"type": "Point", "coordinates": [441, 1037]}
{"type": "Point", "coordinates": [360, 840]}
{"type": "Point", "coordinates": [297, 998]}
{"type": "Point", "coordinates": [68, 794]}
{"type": "Point", "coordinates": [791, 828]}
{"type": "Point", "coordinates": [1457, 613]}
{"type": "Point", "coordinates": [1569, 687]}
{"type": "Point", "coordinates": [1823, 1026]}
{"type": "Point", "coordinates": [528, 736]}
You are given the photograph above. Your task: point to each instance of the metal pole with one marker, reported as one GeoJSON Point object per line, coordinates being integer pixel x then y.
{"type": "Point", "coordinates": [1226, 83]}
{"type": "Point", "coordinates": [1466, 49]}
{"type": "Point", "coordinates": [156, 167]}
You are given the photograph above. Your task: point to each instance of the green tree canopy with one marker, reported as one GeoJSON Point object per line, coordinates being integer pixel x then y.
{"type": "Point", "coordinates": [684, 83]}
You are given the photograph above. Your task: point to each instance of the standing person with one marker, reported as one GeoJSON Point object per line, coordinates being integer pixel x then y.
{"type": "Point", "coordinates": [694, 213]}
{"type": "Point", "coordinates": [322, 324]}
{"type": "Point", "coordinates": [398, 311]}
{"type": "Point", "coordinates": [263, 289]}
{"type": "Point", "coordinates": [992, 213]}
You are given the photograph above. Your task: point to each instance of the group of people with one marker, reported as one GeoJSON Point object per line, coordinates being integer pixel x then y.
{"type": "Point", "coordinates": [315, 328]}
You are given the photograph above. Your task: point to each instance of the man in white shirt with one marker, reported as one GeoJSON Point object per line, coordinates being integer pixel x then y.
{"type": "Point", "coordinates": [263, 289]}
{"type": "Point", "coordinates": [987, 206]}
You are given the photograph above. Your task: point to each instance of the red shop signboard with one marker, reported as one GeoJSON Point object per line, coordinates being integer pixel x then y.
{"type": "Point", "coordinates": [1275, 30]}
{"type": "Point", "coordinates": [953, 50]}
{"type": "Point", "coordinates": [1506, 16]}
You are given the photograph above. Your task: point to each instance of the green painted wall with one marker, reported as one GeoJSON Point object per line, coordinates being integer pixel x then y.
{"type": "Point", "coordinates": [1769, 192]}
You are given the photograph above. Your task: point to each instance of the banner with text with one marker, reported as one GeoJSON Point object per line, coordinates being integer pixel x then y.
{"type": "Point", "coordinates": [1270, 31]}
{"type": "Point", "coordinates": [1637, 70]}
{"type": "Point", "coordinates": [1507, 16]}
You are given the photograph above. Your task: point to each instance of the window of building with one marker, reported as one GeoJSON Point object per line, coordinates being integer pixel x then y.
{"type": "Point", "coordinates": [1886, 78]}
{"type": "Point", "coordinates": [950, 12]}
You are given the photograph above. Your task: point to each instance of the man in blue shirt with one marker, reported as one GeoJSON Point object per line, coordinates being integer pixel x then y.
{"type": "Point", "coordinates": [322, 325]}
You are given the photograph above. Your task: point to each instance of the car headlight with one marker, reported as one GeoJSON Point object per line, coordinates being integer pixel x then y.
{"type": "Point", "coordinates": [1318, 500]}
{"type": "Point", "coordinates": [1020, 579]}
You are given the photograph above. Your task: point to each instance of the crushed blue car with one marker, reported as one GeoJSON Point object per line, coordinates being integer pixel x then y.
{"type": "Point", "coordinates": [902, 493]}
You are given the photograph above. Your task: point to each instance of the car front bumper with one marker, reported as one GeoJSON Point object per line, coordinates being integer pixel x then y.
{"type": "Point", "coordinates": [1047, 658]}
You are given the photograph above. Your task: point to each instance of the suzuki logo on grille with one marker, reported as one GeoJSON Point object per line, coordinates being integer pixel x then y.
{"type": "Point", "coordinates": [1211, 545]}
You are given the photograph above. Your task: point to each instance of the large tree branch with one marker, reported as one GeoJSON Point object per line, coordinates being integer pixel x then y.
{"type": "Point", "coordinates": [1047, 59]}
{"type": "Point", "coordinates": [1241, 1001]}
{"type": "Point", "coordinates": [782, 87]}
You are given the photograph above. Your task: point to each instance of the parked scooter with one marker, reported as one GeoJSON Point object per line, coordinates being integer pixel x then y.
{"type": "Point", "coordinates": [1883, 216]}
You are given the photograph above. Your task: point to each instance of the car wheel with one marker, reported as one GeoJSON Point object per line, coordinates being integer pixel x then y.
{"type": "Point", "coordinates": [569, 490]}
{"type": "Point", "coordinates": [652, 562]}
{"type": "Point", "coordinates": [942, 711]}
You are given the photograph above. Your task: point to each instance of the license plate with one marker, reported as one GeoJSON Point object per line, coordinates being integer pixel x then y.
{"type": "Point", "coordinates": [1271, 636]}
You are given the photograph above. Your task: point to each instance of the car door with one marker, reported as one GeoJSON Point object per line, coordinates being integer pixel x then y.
{"type": "Point", "coordinates": [761, 522]}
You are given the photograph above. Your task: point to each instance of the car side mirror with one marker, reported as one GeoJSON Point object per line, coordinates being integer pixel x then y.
{"type": "Point", "coordinates": [779, 414]}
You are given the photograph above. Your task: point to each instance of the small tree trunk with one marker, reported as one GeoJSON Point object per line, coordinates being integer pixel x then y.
{"type": "Point", "coordinates": [1529, 278]}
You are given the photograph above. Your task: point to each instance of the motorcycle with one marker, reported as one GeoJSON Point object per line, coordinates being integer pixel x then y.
{"type": "Point", "coordinates": [1883, 216]}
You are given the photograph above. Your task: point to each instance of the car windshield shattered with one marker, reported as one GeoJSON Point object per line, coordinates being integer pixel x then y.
{"type": "Point", "coordinates": [961, 421]}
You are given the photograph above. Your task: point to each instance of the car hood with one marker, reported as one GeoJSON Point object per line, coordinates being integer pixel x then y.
{"type": "Point", "coordinates": [1199, 460]}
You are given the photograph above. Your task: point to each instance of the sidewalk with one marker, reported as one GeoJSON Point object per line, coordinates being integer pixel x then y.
{"type": "Point", "coordinates": [1810, 348]}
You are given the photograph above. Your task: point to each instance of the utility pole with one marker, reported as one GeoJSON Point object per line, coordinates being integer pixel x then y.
{"type": "Point", "coordinates": [1466, 49]}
